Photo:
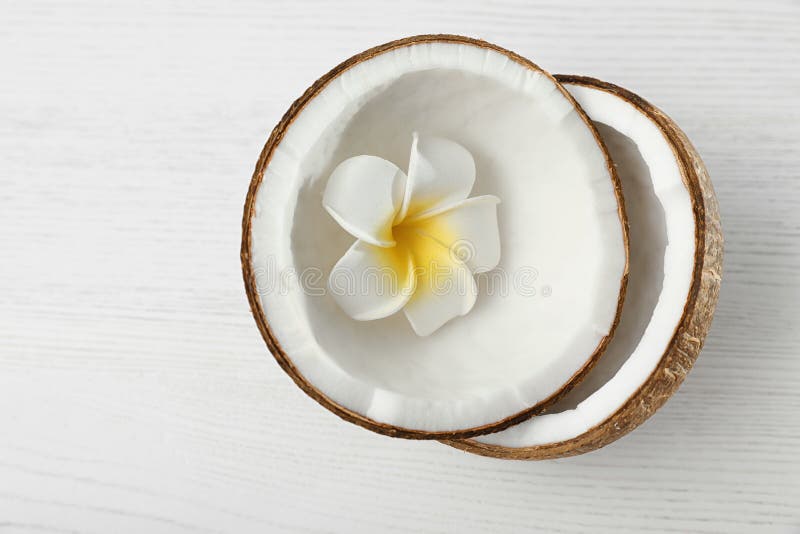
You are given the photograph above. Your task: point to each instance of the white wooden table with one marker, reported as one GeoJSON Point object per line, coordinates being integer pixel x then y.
{"type": "Point", "coordinates": [136, 394]}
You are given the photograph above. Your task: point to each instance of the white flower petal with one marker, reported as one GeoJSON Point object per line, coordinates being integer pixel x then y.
{"type": "Point", "coordinates": [364, 194]}
{"type": "Point", "coordinates": [445, 287]}
{"type": "Point", "coordinates": [440, 173]}
{"type": "Point", "coordinates": [469, 229]}
{"type": "Point", "coordinates": [371, 282]}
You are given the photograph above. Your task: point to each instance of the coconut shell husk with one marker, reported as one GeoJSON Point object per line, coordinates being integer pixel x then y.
{"type": "Point", "coordinates": [698, 311]}
{"type": "Point", "coordinates": [284, 359]}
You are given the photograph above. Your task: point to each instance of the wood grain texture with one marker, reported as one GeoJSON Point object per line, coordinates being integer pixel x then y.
{"type": "Point", "coordinates": [136, 394]}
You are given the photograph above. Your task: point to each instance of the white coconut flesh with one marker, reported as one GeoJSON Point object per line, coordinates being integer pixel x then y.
{"type": "Point", "coordinates": [563, 252]}
{"type": "Point", "coordinates": [662, 249]}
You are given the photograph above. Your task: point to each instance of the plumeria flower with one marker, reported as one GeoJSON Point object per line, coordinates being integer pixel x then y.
{"type": "Point", "coordinates": [421, 229]}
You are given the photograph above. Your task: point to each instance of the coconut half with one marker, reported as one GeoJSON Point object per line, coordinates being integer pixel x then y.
{"type": "Point", "coordinates": [674, 280]}
{"type": "Point", "coordinates": [541, 318]}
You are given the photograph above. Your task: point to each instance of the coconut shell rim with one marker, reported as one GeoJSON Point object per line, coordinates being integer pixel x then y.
{"type": "Point", "coordinates": [248, 273]}
{"type": "Point", "coordinates": [690, 332]}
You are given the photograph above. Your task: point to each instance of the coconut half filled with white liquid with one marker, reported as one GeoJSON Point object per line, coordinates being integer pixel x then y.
{"type": "Point", "coordinates": [435, 159]}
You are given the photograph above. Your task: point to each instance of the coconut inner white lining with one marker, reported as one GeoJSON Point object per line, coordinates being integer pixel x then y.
{"type": "Point", "coordinates": [661, 261]}
{"type": "Point", "coordinates": [559, 228]}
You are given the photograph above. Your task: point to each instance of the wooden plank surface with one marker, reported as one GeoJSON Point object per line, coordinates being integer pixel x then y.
{"type": "Point", "coordinates": [136, 394]}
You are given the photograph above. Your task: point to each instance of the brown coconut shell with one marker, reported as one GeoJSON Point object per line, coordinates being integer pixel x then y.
{"type": "Point", "coordinates": [698, 311]}
{"type": "Point", "coordinates": [284, 359]}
